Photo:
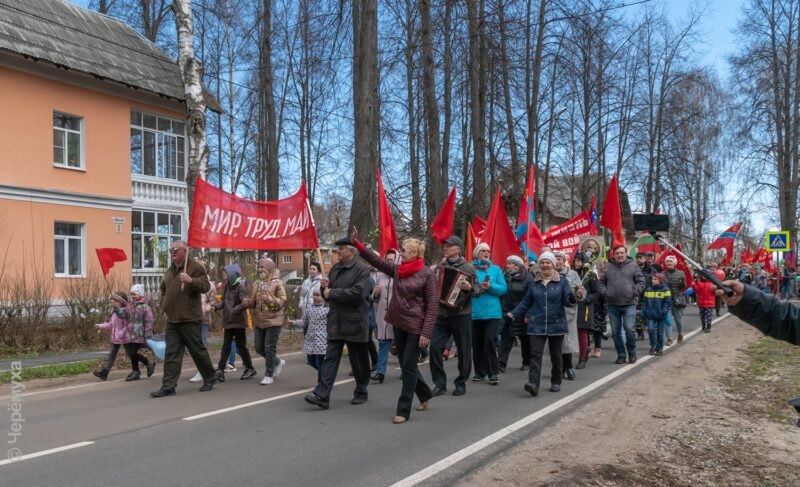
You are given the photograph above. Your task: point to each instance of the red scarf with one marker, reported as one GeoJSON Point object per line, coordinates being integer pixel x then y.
{"type": "Point", "coordinates": [410, 267]}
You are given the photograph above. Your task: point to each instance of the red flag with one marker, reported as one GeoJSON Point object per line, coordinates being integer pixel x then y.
{"type": "Point", "coordinates": [527, 232]}
{"type": "Point", "coordinates": [108, 257]}
{"type": "Point", "coordinates": [388, 235]}
{"type": "Point", "coordinates": [725, 241]}
{"type": "Point", "coordinates": [469, 241]}
{"type": "Point", "coordinates": [759, 256]}
{"type": "Point", "coordinates": [498, 233]}
{"type": "Point", "coordinates": [442, 226]}
{"type": "Point", "coordinates": [478, 225]}
{"type": "Point", "coordinates": [747, 254]}
{"type": "Point", "coordinates": [222, 220]}
{"type": "Point", "coordinates": [612, 213]}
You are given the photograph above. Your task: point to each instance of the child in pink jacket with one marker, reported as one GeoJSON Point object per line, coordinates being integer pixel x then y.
{"type": "Point", "coordinates": [130, 322]}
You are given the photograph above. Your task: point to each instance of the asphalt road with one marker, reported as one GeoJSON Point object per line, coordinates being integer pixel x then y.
{"type": "Point", "coordinates": [281, 440]}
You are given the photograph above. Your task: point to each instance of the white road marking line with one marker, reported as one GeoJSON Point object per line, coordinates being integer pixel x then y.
{"type": "Point", "coordinates": [29, 456]}
{"type": "Point", "coordinates": [256, 403]}
{"type": "Point", "coordinates": [479, 445]}
{"type": "Point", "coordinates": [94, 384]}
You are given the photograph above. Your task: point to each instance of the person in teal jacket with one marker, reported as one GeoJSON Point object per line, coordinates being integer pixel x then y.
{"type": "Point", "coordinates": [487, 315]}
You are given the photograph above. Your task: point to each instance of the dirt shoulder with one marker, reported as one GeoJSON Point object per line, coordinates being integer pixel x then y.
{"type": "Point", "coordinates": [713, 412]}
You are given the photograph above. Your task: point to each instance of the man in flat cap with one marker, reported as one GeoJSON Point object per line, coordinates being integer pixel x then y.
{"type": "Point", "coordinates": [347, 291]}
{"type": "Point", "coordinates": [454, 319]}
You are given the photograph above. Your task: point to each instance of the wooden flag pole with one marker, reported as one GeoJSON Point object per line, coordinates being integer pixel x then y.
{"type": "Point", "coordinates": [319, 260]}
{"type": "Point", "coordinates": [185, 263]}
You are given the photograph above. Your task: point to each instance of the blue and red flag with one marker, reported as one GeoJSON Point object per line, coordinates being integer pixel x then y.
{"type": "Point", "coordinates": [527, 232]}
{"type": "Point", "coordinates": [725, 241]}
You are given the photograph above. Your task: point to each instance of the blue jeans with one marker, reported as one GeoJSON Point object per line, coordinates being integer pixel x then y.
{"type": "Point", "coordinates": [232, 356]}
{"type": "Point", "coordinates": [383, 356]}
{"type": "Point", "coordinates": [677, 317]}
{"type": "Point", "coordinates": [623, 317]}
{"type": "Point", "coordinates": [655, 330]}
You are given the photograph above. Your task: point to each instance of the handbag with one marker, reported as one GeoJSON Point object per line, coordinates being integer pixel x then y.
{"type": "Point", "coordinates": [680, 300]}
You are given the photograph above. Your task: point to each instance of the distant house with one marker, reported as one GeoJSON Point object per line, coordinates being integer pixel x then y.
{"type": "Point", "coordinates": [93, 141]}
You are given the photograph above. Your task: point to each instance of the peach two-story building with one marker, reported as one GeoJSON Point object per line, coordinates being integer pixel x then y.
{"type": "Point", "coordinates": [92, 145]}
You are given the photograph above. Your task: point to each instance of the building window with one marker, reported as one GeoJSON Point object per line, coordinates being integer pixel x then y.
{"type": "Point", "coordinates": [67, 141]}
{"type": "Point", "coordinates": [151, 234]}
{"type": "Point", "coordinates": [157, 146]}
{"type": "Point", "coordinates": [69, 249]}
{"type": "Point", "coordinates": [287, 259]}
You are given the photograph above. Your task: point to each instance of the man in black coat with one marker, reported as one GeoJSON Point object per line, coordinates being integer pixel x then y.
{"type": "Point", "coordinates": [347, 292]}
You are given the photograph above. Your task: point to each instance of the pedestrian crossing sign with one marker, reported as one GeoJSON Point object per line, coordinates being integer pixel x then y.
{"type": "Point", "coordinates": [778, 241]}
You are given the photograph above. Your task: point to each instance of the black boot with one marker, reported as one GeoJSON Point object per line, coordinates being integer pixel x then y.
{"type": "Point", "coordinates": [133, 376]}
{"type": "Point", "coordinates": [101, 374]}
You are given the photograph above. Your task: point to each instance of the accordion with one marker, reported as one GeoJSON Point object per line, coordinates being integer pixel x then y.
{"type": "Point", "coordinates": [448, 285]}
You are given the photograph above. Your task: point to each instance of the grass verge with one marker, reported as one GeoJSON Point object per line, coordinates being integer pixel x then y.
{"type": "Point", "coordinates": [50, 371]}
{"type": "Point", "coordinates": [766, 379]}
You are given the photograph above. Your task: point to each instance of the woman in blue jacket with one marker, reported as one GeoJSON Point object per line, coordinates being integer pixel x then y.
{"type": "Point", "coordinates": [545, 306]}
{"type": "Point", "coordinates": [487, 315]}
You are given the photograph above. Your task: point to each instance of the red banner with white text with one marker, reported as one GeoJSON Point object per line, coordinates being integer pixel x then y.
{"type": "Point", "coordinates": [221, 220]}
{"type": "Point", "coordinates": [567, 236]}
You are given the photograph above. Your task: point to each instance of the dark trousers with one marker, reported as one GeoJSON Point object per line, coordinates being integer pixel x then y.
{"type": "Point", "coordinates": [507, 343]}
{"type": "Point", "coordinates": [315, 361]}
{"type": "Point", "coordinates": [484, 349]}
{"type": "Point", "coordinates": [413, 382]}
{"type": "Point", "coordinates": [131, 350]}
{"type": "Point", "coordinates": [459, 327]}
{"type": "Point", "coordinates": [597, 339]}
{"type": "Point", "coordinates": [359, 361]}
{"type": "Point", "coordinates": [537, 350]}
{"type": "Point", "coordinates": [373, 351]}
{"type": "Point", "coordinates": [266, 345]}
{"type": "Point", "coordinates": [240, 336]}
{"type": "Point", "coordinates": [179, 337]}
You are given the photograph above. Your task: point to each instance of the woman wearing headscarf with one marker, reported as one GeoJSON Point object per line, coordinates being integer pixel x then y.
{"type": "Point", "coordinates": [517, 280]}
{"type": "Point", "coordinates": [586, 306]}
{"type": "Point", "coordinates": [487, 315]}
{"type": "Point", "coordinates": [545, 305]}
{"type": "Point", "coordinates": [412, 309]}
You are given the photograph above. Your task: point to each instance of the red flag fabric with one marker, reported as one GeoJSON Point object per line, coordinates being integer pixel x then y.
{"type": "Point", "coordinates": [567, 236]}
{"type": "Point", "coordinates": [498, 233]}
{"type": "Point", "coordinates": [478, 225]}
{"type": "Point", "coordinates": [527, 232]}
{"type": "Point", "coordinates": [747, 254]}
{"type": "Point", "coordinates": [725, 241]}
{"type": "Point", "coordinates": [442, 226]}
{"type": "Point", "coordinates": [469, 242]}
{"type": "Point", "coordinates": [221, 220]}
{"type": "Point", "coordinates": [108, 257]}
{"type": "Point", "coordinates": [759, 256]}
{"type": "Point", "coordinates": [387, 232]}
{"type": "Point", "coordinates": [612, 213]}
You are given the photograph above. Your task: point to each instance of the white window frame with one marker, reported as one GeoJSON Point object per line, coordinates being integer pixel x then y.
{"type": "Point", "coordinates": [287, 258]}
{"type": "Point", "coordinates": [159, 136]}
{"type": "Point", "coordinates": [81, 144]}
{"type": "Point", "coordinates": [171, 237]}
{"type": "Point", "coordinates": [58, 239]}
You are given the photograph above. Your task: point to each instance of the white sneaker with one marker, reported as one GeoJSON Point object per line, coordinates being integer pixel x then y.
{"type": "Point", "coordinates": [198, 377]}
{"type": "Point", "coordinates": [266, 381]}
{"type": "Point", "coordinates": [230, 368]}
{"type": "Point", "coordinates": [279, 368]}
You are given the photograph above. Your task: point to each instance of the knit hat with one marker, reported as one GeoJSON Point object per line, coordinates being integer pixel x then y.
{"type": "Point", "coordinates": [137, 289]}
{"type": "Point", "coordinates": [478, 248]}
{"type": "Point", "coordinates": [266, 263]}
{"type": "Point", "coordinates": [516, 260]}
{"type": "Point", "coordinates": [560, 255]}
{"type": "Point", "coordinates": [548, 256]}
{"type": "Point", "coordinates": [120, 296]}
{"type": "Point", "coordinates": [671, 258]}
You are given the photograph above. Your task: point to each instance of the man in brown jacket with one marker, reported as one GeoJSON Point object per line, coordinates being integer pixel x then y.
{"type": "Point", "coordinates": [181, 291]}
